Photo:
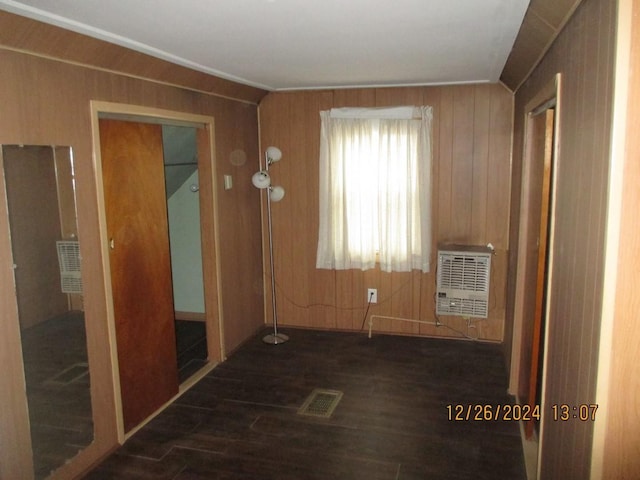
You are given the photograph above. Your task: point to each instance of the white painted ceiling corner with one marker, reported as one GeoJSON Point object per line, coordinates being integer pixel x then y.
{"type": "Point", "coordinates": [298, 44]}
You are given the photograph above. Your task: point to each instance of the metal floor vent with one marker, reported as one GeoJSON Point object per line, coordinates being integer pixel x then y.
{"type": "Point", "coordinates": [70, 374]}
{"type": "Point", "coordinates": [321, 403]}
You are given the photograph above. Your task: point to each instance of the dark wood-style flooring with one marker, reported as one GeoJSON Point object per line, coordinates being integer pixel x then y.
{"type": "Point", "coordinates": [191, 347]}
{"type": "Point", "coordinates": [241, 420]}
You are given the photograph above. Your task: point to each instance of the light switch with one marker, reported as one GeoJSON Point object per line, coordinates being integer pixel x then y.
{"type": "Point", "coordinates": [228, 182]}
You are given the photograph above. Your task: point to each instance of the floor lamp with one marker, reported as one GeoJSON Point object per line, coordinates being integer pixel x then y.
{"type": "Point", "coordinates": [262, 180]}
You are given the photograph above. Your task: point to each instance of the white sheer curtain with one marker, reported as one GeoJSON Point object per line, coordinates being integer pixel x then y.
{"type": "Point", "coordinates": [375, 189]}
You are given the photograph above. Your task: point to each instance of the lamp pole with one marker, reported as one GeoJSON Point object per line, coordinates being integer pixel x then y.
{"type": "Point", "coordinates": [274, 338]}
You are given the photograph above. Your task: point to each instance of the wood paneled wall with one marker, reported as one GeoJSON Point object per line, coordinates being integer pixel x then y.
{"type": "Point", "coordinates": [471, 190]}
{"type": "Point", "coordinates": [46, 102]}
{"type": "Point", "coordinates": [25, 34]}
{"type": "Point", "coordinates": [542, 23]}
{"type": "Point", "coordinates": [620, 455]}
{"type": "Point", "coordinates": [583, 55]}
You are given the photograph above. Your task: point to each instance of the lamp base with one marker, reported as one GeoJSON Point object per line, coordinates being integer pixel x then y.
{"type": "Point", "coordinates": [275, 338]}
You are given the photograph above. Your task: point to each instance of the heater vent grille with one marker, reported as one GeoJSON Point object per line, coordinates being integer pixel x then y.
{"type": "Point", "coordinates": [463, 282]}
{"type": "Point", "coordinates": [321, 403]}
{"type": "Point", "coordinates": [69, 260]}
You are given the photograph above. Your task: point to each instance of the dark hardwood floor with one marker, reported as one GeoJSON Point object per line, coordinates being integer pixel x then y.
{"type": "Point", "coordinates": [191, 347]}
{"type": "Point", "coordinates": [241, 420]}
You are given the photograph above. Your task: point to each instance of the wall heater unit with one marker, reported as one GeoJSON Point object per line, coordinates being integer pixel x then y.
{"type": "Point", "coordinates": [463, 280]}
{"type": "Point", "coordinates": [69, 260]}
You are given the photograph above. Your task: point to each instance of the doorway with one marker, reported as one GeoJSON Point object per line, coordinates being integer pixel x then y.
{"type": "Point", "coordinates": [143, 203]}
{"type": "Point", "coordinates": [533, 275]}
{"type": "Point", "coordinates": [182, 188]}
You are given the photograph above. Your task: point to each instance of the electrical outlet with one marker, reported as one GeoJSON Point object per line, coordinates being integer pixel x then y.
{"type": "Point", "coordinates": [372, 295]}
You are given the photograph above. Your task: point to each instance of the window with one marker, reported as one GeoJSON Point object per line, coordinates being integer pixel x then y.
{"type": "Point", "coordinates": [375, 189]}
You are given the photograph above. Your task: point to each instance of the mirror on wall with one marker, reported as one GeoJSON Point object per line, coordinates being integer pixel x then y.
{"type": "Point", "coordinates": [40, 191]}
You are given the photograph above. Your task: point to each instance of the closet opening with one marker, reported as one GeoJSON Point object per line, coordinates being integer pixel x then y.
{"type": "Point", "coordinates": [182, 188]}
{"type": "Point", "coordinates": [155, 174]}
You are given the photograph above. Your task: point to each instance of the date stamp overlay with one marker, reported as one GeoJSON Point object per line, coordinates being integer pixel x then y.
{"type": "Point", "coordinates": [560, 412]}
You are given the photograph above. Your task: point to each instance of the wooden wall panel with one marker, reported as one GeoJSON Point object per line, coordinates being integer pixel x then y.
{"type": "Point", "coordinates": [25, 34]}
{"type": "Point", "coordinates": [499, 181]}
{"type": "Point", "coordinates": [620, 456]}
{"type": "Point", "coordinates": [542, 23]}
{"type": "Point", "coordinates": [46, 102]}
{"type": "Point", "coordinates": [472, 140]}
{"type": "Point", "coordinates": [236, 154]}
{"type": "Point", "coordinates": [582, 179]}
{"type": "Point", "coordinates": [461, 179]}
{"type": "Point", "coordinates": [480, 167]}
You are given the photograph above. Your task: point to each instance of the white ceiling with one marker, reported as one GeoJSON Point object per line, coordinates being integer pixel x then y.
{"type": "Point", "coordinates": [300, 44]}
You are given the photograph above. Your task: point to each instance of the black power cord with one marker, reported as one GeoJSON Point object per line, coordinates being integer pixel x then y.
{"type": "Point", "coordinates": [366, 311]}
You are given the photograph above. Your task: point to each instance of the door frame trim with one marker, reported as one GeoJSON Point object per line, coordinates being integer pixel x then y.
{"type": "Point", "coordinates": [213, 290]}
{"type": "Point", "coordinates": [550, 91]}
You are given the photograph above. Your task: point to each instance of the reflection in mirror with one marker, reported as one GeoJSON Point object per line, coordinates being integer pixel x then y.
{"type": "Point", "coordinates": [40, 189]}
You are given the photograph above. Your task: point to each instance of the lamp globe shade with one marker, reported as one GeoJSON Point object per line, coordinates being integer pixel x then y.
{"type": "Point", "coordinates": [273, 154]}
{"type": "Point", "coordinates": [276, 194]}
{"type": "Point", "coordinates": [261, 179]}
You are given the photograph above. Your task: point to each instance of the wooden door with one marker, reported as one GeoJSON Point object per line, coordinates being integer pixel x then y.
{"type": "Point", "coordinates": [136, 211]}
{"type": "Point", "coordinates": [541, 270]}
{"type": "Point", "coordinates": [540, 159]}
